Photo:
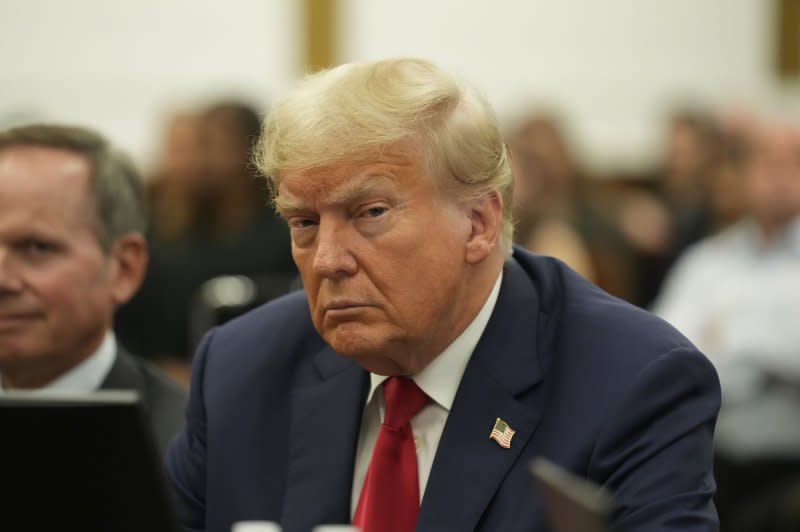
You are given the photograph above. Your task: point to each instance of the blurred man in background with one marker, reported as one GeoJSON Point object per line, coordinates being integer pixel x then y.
{"type": "Point", "coordinates": [737, 297]}
{"type": "Point", "coordinates": [668, 209]}
{"type": "Point", "coordinates": [72, 248]}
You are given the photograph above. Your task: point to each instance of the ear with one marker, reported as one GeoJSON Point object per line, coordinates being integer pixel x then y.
{"type": "Point", "coordinates": [486, 220]}
{"type": "Point", "coordinates": [127, 266]}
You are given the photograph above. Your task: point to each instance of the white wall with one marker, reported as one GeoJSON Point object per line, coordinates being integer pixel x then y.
{"type": "Point", "coordinates": [612, 66]}
{"type": "Point", "coordinates": [119, 64]}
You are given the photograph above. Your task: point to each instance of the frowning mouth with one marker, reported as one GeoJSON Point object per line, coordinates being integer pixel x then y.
{"type": "Point", "coordinates": [344, 306]}
{"type": "Point", "coordinates": [10, 321]}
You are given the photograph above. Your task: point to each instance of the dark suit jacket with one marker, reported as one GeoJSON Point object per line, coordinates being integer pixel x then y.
{"type": "Point", "coordinates": [588, 381]}
{"type": "Point", "coordinates": [163, 399]}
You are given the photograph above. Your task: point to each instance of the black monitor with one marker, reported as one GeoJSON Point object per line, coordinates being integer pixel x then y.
{"type": "Point", "coordinates": [80, 462]}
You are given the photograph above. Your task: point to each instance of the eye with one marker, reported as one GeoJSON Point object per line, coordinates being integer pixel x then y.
{"type": "Point", "coordinates": [37, 247]}
{"type": "Point", "coordinates": [301, 223]}
{"type": "Point", "coordinates": [374, 212]}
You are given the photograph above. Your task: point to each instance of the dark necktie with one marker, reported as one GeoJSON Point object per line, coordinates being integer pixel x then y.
{"type": "Point", "coordinates": [389, 500]}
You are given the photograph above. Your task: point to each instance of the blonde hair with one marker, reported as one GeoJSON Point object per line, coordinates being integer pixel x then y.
{"type": "Point", "coordinates": [351, 112]}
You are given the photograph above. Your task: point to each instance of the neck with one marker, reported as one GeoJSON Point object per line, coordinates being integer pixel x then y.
{"type": "Point", "coordinates": [771, 228]}
{"type": "Point", "coordinates": [36, 376]}
{"type": "Point", "coordinates": [36, 371]}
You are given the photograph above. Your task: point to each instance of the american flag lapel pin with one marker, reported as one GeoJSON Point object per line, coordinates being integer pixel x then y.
{"type": "Point", "coordinates": [502, 433]}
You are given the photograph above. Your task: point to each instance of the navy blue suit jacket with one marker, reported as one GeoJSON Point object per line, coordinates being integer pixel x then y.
{"type": "Point", "coordinates": [588, 381]}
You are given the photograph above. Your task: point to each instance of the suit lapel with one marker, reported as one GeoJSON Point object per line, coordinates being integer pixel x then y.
{"type": "Point", "coordinates": [126, 375]}
{"type": "Point", "coordinates": [123, 374]}
{"type": "Point", "coordinates": [325, 422]}
{"type": "Point", "coordinates": [503, 380]}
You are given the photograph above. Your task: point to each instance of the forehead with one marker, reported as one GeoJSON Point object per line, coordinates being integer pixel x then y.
{"type": "Point", "coordinates": [43, 164]}
{"type": "Point", "coordinates": [43, 180]}
{"type": "Point", "coordinates": [396, 167]}
{"type": "Point", "coordinates": [781, 141]}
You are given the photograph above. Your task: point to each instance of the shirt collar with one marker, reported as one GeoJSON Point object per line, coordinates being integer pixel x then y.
{"type": "Point", "coordinates": [89, 374]}
{"type": "Point", "coordinates": [787, 241]}
{"type": "Point", "coordinates": [440, 379]}
{"type": "Point", "coordinates": [793, 235]}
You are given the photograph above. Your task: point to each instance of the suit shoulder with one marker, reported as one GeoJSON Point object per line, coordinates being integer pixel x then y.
{"type": "Point", "coordinates": [281, 315]}
{"type": "Point", "coordinates": [278, 329]}
{"type": "Point", "coordinates": [600, 346]}
{"type": "Point", "coordinates": [587, 318]}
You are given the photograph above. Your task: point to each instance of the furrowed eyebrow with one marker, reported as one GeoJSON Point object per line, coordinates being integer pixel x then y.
{"type": "Point", "coordinates": [283, 205]}
{"type": "Point", "coordinates": [363, 188]}
{"type": "Point", "coordinates": [337, 197]}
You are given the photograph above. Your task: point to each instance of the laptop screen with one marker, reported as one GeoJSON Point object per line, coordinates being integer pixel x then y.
{"type": "Point", "coordinates": [80, 462]}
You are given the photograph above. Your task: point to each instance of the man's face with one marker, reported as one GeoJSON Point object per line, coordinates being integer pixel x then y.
{"type": "Point", "coordinates": [381, 252]}
{"type": "Point", "coordinates": [55, 302]}
{"type": "Point", "coordinates": [773, 184]}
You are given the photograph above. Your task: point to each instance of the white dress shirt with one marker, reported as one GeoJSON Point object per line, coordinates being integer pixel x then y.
{"type": "Point", "coordinates": [439, 380]}
{"type": "Point", "coordinates": [89, 374]}
{"type": "Point", "coordinates": [738, 299]}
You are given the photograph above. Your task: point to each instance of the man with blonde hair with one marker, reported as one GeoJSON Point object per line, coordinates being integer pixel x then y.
{"type": "Point", "coordinates": [427, 362]}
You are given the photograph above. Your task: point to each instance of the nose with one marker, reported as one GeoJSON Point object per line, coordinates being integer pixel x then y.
{"type": "Point", "coordinates": [9, 277]}
{"type": "Point", "coordinates": [333, 257]}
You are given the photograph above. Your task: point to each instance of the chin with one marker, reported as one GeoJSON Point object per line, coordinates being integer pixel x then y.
{"type": "Point", "coordinates": [355, 348]}
{"type": "Point", "coordinates": [367, 350]}
{"type": "Point", "coordinates": [380, 365]}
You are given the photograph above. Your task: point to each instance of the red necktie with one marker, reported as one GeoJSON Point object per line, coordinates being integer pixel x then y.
{"type": "Point", "coordinates": [389, 500]}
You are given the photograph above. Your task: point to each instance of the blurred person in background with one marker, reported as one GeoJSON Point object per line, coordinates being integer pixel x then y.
{"type": "Point", "coordinates": [72, 248]}
{"type": "Point", "coordinates": [217, 223]}
{"type": "Point", "coordinates": [727, 195]}
{"type": "Point", "coordinates": [663, 213]}
{"type": "Point", "coordinates": [560, 212]}
{"type": "Point", "coordinates": [181, 165]}
{"type": "Point", "coordinates": [544, 193]}
{"type": "Point", "coordinates": [736, 295]}
{"type": "Point", "coordinates": [691, 146]}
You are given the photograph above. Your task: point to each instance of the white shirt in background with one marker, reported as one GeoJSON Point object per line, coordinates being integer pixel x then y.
{"type": "Point", "coordinates": [737, 298]}
{"type": "Point", "coordinates": [89, 374]}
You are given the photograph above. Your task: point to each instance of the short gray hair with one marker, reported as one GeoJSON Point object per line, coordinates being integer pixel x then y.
{"type": "Point", "coordinates": [115, 185]}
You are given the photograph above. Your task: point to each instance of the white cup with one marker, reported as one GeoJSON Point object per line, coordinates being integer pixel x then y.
{"type": "Point", "coordinates": [255, 526]}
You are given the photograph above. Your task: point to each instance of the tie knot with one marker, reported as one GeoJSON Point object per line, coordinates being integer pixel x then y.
{"type": "Point", "coordinates": [403, 399]}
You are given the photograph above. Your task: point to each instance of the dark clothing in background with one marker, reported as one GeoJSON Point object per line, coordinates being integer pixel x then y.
{"type": "Point", "coordinates": [163, 399]}
{"type": "Point", "coordinates": [155, 324]}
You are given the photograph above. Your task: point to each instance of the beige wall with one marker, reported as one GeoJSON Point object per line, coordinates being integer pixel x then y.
{"type": "Point", "coordinates": [612, 66]}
